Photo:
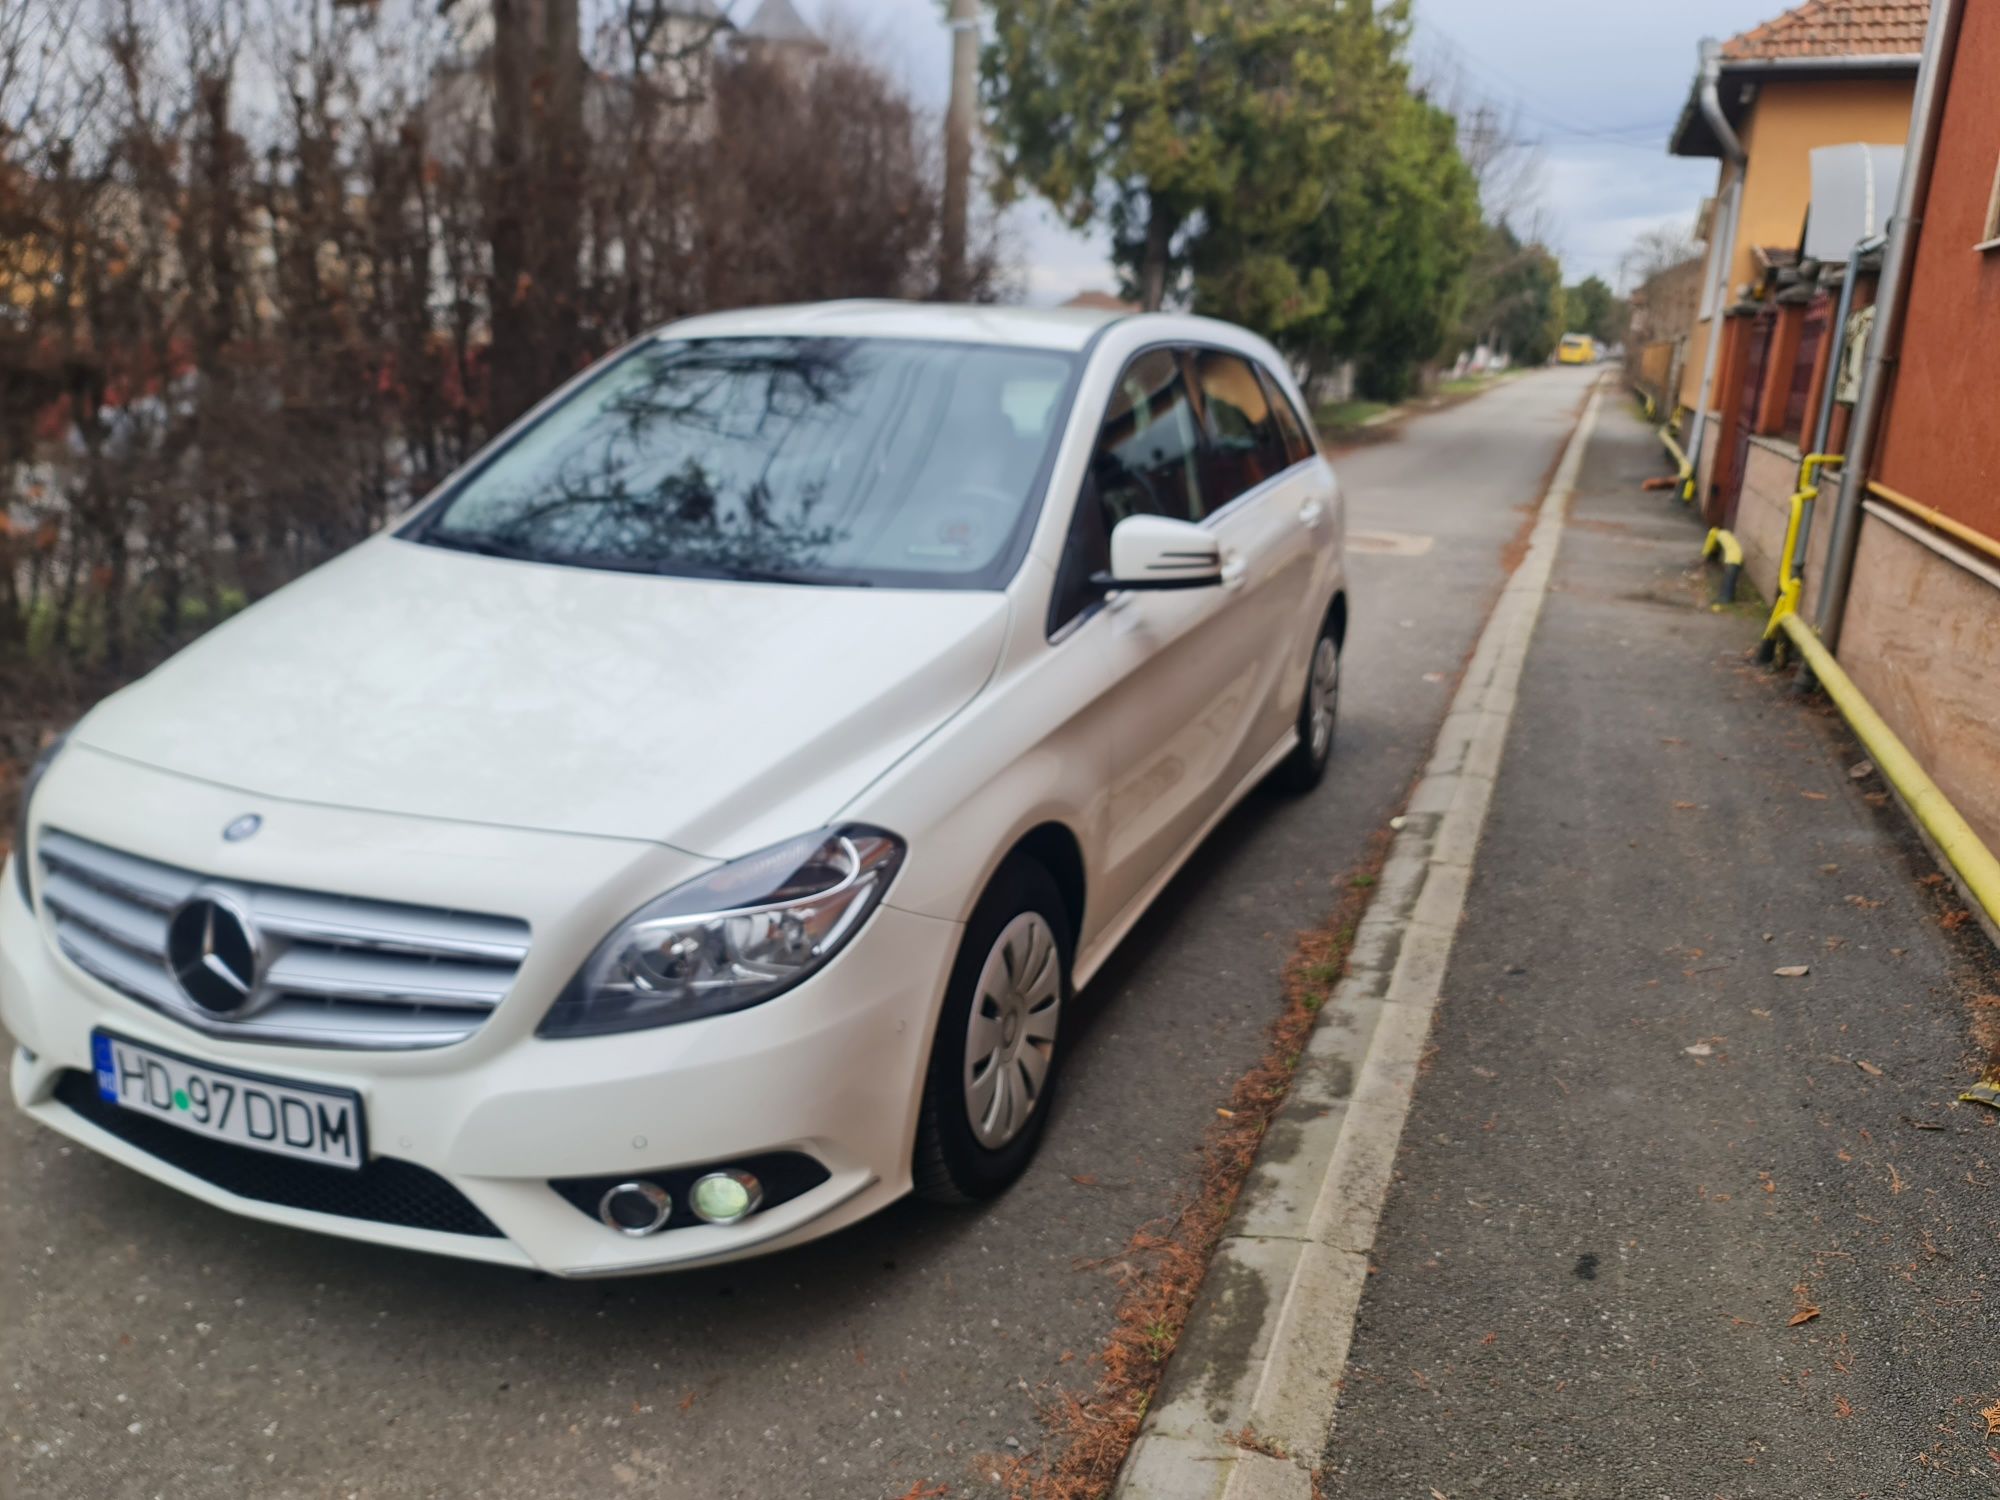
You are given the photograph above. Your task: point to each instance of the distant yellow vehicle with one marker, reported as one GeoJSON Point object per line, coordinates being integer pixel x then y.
{"type": "Point", "coordinates": [1576, 349]}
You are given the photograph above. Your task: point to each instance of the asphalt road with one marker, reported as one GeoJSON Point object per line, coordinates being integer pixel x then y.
{"type": "Point", "coordinates": [1667, 1225]}
{"type": "Point", "coordinates": [153, 1347]}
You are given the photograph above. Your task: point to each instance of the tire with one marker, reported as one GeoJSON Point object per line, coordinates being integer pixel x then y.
{"type": "Point", "coordinates": [965, 1154]}
{"type": "Point", "coordinates": [1305, 767]}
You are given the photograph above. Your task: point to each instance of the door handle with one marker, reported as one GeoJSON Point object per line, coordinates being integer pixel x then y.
{"type": "Point", "coordinates": [1234, 570]}
{"type": "Point", "coordinates": [1311, 514]}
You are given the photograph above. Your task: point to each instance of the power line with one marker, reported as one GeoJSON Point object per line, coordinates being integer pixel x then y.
{"type": "Point", "coordinates": [1516, 96]}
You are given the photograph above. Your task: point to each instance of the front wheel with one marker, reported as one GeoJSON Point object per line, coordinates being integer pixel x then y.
{"type": "Point", "coordinates": [1305, 767]}
{"type": "Point", "coordinates": [999, 1036]}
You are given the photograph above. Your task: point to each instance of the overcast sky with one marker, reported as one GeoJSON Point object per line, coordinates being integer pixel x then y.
{"type": "Point", "coordinates": [1596, 84]}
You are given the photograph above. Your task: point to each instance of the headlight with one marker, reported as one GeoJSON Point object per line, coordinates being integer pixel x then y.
{"type": "Point", "coordinates": [23, 877]}
{"type": "Point", "coordinates": [736, 936]}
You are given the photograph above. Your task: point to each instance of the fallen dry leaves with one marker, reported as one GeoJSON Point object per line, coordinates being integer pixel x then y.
{"type": "Point", "coordinates": [1792, 971]}
{"type": "Point", "coordinates": [1868, 1067]}
{"type": "Point", "coordinates": [1807, 1308]}
{"type": "Point", "coordinates": [1992, 1416]}
{"type": "Point", "coordinates": [1089, 1433]}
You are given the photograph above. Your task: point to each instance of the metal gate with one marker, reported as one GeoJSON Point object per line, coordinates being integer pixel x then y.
{"type": "Point", "coordinates": [1759, 331]}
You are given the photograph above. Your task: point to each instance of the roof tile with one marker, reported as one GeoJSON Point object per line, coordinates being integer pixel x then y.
{"type": "Point", "coordinates": [1835, 28]}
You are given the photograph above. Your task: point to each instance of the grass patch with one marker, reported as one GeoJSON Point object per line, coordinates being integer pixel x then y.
{"type": "Point", "coordinates": [1472, 385]}
{"type": "Point", "coordinates": [1339, 414]}
{"type": "Point", "coordinates": [1165, 1260]}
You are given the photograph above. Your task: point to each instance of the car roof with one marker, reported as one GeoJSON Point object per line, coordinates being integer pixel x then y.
{"type": "Point", "coordinates": [1069, 328]}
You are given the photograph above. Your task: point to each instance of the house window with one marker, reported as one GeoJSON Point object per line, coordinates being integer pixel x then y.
{"type": "Point", "coordinates": [1991, 239]}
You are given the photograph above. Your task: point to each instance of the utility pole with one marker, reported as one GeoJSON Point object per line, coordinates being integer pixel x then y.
{"type": "Point", "coordinates": [958, 126]}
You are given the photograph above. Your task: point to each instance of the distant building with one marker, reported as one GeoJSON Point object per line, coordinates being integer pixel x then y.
{"type": "Point", "coordinates": [777, 29]}
{"type": "Point", "coordinates": [678, 41]}
{"type": "Point", "coordinates": [1664, 308]}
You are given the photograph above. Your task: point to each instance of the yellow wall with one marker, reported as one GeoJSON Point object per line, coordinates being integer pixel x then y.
{"type": "Point", "coordinates": [1786, 123]}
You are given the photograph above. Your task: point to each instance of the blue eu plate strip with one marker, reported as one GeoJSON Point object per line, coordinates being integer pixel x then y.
{"type": "Point", "coordinates": [107, 1070]}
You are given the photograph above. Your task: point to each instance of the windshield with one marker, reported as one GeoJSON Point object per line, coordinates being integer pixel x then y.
{"type": "Point", "coordinates": [810, 460]}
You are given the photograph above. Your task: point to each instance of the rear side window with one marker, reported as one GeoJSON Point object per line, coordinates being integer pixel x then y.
{"type": "Point", "coordinates": [1245, 445]}
{"type": "Point", "coordinates": [1298, 445]}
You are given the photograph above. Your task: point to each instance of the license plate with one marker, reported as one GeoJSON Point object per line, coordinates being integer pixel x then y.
{"type": "Point", "coordinates": [304, 1120]}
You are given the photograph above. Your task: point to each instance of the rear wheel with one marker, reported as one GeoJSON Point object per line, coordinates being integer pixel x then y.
{"type": "Point", "coordinates": [1305, 767]}
{"type": "Point", "coordinates": [998, 1048]}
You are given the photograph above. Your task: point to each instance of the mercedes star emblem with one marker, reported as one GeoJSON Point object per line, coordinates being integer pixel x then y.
{"type": "Point", "coordinates": [213, 951]}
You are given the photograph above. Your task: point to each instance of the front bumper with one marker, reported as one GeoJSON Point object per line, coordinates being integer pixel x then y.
{"type": "Point", "coordinates": [832, 1069]}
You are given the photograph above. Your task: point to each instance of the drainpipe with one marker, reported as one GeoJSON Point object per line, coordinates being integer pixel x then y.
{"type": "Point", "coordinates": [1823, 424]}
{"type": "Point", "coordinates": [1723, 232]}
{"type": "Point", "coordinates": [1897, 262]}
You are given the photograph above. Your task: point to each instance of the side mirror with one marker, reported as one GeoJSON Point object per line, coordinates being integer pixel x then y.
{"type": "Point", "coordinates": [1156, 552]}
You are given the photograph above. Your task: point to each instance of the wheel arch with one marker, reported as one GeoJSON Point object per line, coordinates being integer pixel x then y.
{"type": "Point", "coordinates": [1054, 847]}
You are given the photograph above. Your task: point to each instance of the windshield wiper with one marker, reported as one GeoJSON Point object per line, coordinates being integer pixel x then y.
{"type": "Point", "coordinates": [611, 562]}
{"type": "Point", "coordinates": [779, 575]}
{"type": "Point", "coordinates": [484, 546]}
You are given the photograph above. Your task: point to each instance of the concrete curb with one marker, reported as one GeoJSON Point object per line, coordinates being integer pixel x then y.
{"type": "Point", "coordinates": [1266, 1344]}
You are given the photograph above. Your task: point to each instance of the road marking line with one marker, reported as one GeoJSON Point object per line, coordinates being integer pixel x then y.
{"type": "Point", "coordinates": [1267, 1342]}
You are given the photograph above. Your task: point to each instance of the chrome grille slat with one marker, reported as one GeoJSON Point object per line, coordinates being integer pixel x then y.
{"type": "Point", "coordinates": [127, 923]}
{"type": "Point", "coordinates": [382, 979]}
{"type": "Point", "coordinates": [345, 922]}
{"type": "Point", "coordinates": [310, 1024]}
{"type": "Point", "coordinates": [160, 887]}
{"type": "Point", "coordinates": [341, 971]}
{"type": "Point", "coordinates": [142, 978]}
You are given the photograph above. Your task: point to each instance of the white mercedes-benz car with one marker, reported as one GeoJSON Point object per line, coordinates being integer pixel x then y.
{"type": "Point", "coordinates": [682, 835]}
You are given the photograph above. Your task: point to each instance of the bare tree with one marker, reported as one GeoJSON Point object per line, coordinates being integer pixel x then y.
{"type": "Point", "coordinates": [269, 269]}
{"type": "Point", "coordinates": [1660, 248]}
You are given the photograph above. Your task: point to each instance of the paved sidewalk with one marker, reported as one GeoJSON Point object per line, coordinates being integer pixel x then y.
{"type": "Point", "coordinates": [1250, 1393]}
{"type": "Point", "coordinates": [1666, 1224]}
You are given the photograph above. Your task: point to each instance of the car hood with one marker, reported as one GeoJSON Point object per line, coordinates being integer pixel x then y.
{"type": "Point", "coordinates": [714, 716]}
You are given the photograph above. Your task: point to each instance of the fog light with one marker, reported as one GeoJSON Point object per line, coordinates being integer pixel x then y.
{"type": "Point", "coordinates": [725, 1197]}
{"type": "Point", "coordinates": [636, 1208]}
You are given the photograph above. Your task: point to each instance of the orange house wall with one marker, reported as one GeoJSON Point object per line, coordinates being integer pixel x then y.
{"type": "Point", "coordinates": [1786, 123]}
{"type": "Point", "coordinates": [1939, 442]}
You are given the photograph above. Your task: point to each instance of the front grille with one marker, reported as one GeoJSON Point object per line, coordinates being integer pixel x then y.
{"type": "Point", "coordinates": [339, 971]}
{"type": "Point", "coordinates": [385, 1191]}
{"type": "Point", "coordinates": [784, 1175]}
